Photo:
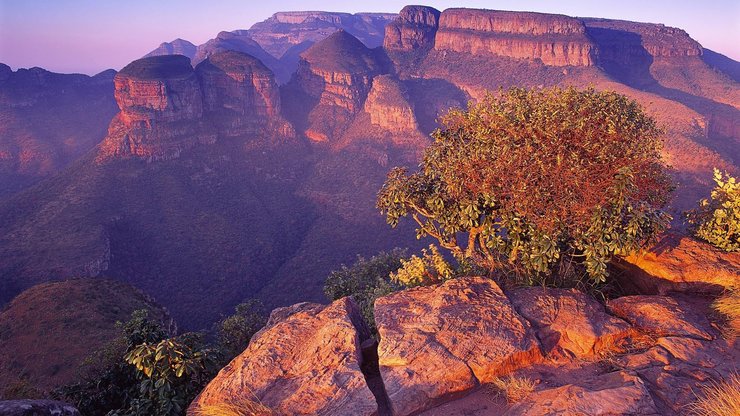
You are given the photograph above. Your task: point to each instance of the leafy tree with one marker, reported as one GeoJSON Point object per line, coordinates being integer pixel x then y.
{"type": "Point", "coordinates": [530, 182]}
{"type": "Point", "coordinates": [235, 331]}
{"type": "Point", "coordinates": [717, 220]}
{"type": "Point", "coordinates": [366, 280]}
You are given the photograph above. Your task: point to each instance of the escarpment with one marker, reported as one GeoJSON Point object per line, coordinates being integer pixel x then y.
{"type": "Point", "coordinates": [167, 106]}
{"type": "Point", "coordinates": [414, 29]}
{"type": "Point", "coordinates": [554, 39]}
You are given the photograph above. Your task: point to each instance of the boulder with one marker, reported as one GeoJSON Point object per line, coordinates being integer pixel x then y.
{"type": "Point", "coordinates": [306, 361]}
{"type": "Point", "coordinates": [568, 320]}
{"type": "Point", "coordinates": [664, 315]}
{"type": "Point", "coordinates": [37, 408]}
{"type": "Point", "coordinates": [611, 394]}
{"type": "Point", "coordinates": [441, 341]}
{"type": "Point", "coordinates": [678, 263]}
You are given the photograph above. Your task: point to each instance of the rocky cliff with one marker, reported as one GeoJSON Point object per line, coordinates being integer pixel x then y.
{"type": "Point", "coordinates": [554, 39]}
{"type": "Point", "coordinates": [176, 47]}
{"type": "Point", "coordinates": [440, 348]}
{"type": "Point", "coordinates": [414, 29]}
{"type": "Point", "coordinates": [240, 41]}
{"type": "Point", "coordinates": [388, 106]}
{"type": "Point", "coordinates": [167, 107]}
{"type": "Point", "coordinates": [241, 97]}
{"type": "Point", "coordinates": [337, 74]}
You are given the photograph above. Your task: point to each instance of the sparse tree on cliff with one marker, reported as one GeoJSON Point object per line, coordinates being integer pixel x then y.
{"type": "Point", "coordinates": [538, 184]}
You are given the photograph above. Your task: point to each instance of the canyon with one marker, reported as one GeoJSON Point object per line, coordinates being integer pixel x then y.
{"type": "Point", "coordinates": [248, 167]}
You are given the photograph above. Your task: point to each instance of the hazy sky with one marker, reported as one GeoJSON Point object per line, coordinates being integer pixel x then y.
{"type": "Point", "coordinates": [89, 36]}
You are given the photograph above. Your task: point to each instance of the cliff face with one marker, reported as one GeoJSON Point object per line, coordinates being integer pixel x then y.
{"type": "Point", "coordinates": [337, 74]}
{"type": "Point", "coordinates": [240, 41]}
{"type": "Point", "coordinates": [176, 47]}
{"type": "Point", "coordinates": [240, 96]}
{"type": "Point", "coordinates": [167, 107]}
{"type": "Point", "coordinates": [414, 29]}
{"type": "Point", "coordinates": [554, 39]}
{"type": "Point", "coordinates": [388, 106]}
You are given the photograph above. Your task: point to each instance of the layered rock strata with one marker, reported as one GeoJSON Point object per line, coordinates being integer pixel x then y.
{"type": "Point", "coordinates": [388, 106]}
{"type": "Point", "coordinates": [414, 29]}
{"type": "Point", "coordinates": [553, 39]}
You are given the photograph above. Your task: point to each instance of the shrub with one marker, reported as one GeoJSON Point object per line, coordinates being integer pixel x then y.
{"type": "Point", "coordinates": [728, 305]}
{"type": "Point", "coordinates": [235, 331]}
{"type": "Point", "coordinates": [719, 399]}
{"type": "Point", "coordinates": [366, 280]}
{"type": "Point", "coordinates": [717, 220]}
{"type": "Point", "coordinates": [530, 179]}
{"type": "Point", "coordinates": [513, 388]}
{"type": "Point", "coordinates": [428, 269]}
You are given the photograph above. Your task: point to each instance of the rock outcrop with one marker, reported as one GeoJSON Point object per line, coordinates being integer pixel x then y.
{"type": "Point", "coordinates": [37, 408]}
{"type": "Point", "coordinates": [161, 110]}
{"type": "Point", "coordinates": [176, 47]}
{"type": "Point", "coordinates": [611, 394]}
{"type": "Point", "coordinates": [413, 30]}
{"type": "Point", "coordinates": [569, 321]}
{"type": "Point", "coordinates": [337, 74]}
{"type": "Point", "coordinates": [553, 39]}
{"type": "Point", "coordinates": [167, 107]}
{"type": "Point", "coordinates": [441, 341]}
{"type": "Point", "coordinates": [678, 263]}
{"type": "Point", "coordinates": [665, 315]}
{"type": "Point", "coordinates": [240, 41]}
{"type": "Point", "coordinates": [240, 96]}
{"type": "Point", "coordinates": [388, 106]}
{"type": "Point", "coordinates": [306, 361]}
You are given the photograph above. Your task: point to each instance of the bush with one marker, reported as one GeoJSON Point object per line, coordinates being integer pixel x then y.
{"type": "Point", "coordinates": [514, 389]}
{"type": "Point", "coordinates": [366, 280]}
{"type": "Point", "coordinates": [717, 220]}
{"type": "Point", "coordinates": [532, 181]}
{"type": "Point", "coordinates": [428, 269]}
{"type": "Point", "coordinates": [235, 332]}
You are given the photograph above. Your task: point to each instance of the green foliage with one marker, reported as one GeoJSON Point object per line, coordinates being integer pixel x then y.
{"type": "Point", "coordinates": [171, 373]}
{"type": "Point", "coordinates": [717, 220]}
{"type": "Point", "coordinates": [235, 331]}
{"type": "Point", "coordinates": [366, 280]}
{"type": "Point", "coordinates": [530, 182]}
{"type": "Point", "coordinates": [428, 269]}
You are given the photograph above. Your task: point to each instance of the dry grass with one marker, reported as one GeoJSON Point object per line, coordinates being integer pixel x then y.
{"type": "Point", "coordinates": [245, 408]}
{"type": "Point", "coordinates": [513, 388]}
{"type": "Point", "coordinates": [728, 305]}
{"type": "Point", "coordinates": [719, 399]}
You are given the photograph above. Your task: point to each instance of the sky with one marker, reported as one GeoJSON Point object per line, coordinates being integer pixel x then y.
{"type": "Point", "coordinates": [89, 36]}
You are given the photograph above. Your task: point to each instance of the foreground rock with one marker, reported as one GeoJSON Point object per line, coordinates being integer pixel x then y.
{"type": "Point", "coordinates": [679, 263]}
{"type": "Point", "coordinates": [611, 394]}
{"type": "Point", "coordinates": [306, 361]}
{"type": "Point", "coordinates": [37, 408]}
{"type": "Point", "coordinates": [665, 316]}
{"type": "Point", "coordinates": [441, 341]}
{"type": "Point", "coordinates": [569, 321]}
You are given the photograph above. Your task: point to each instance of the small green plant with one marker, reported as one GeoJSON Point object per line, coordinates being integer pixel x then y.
{"type": "Point", "coordinates": [513, 388]}
{"type": "Point", "coordinates": [717, 220]}
{"type": "Point", "coordinates": [428, 269]}
{"type": "Point", "coordinates": [718, 399]}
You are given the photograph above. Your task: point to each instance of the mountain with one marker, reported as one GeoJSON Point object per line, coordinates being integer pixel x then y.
{"type": "Point", "coordinates": [176, 47]}
{"type": "Point", "coordinates": [215, 183]}
{"type": "Point", "coordinates": [48, 120]}
{"type": "Point", "coordinates": [47, 331]}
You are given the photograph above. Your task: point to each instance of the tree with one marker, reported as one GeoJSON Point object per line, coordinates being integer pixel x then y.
{"type": "Point", "coordinates": [528, 180]}
{"type": "Point", "coordinates": [717, 220]}
{"type": "Point", "coordinates": [235, 331]}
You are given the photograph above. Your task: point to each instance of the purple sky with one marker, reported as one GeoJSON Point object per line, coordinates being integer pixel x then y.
{"type": "Point", "coordinates": [89, 36]}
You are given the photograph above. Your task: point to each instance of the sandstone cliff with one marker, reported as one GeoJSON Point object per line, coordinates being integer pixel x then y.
{"type": "Point", "coordinates": [413, 30]}
{"type": "Point", "coordinates": [167, 107]}
{"type": "Point", "coordinates": [176, 47]}
{"type": "Point", "coordinates": [554, 39]}
{"type": "Point", "coordinates": [240, 41]}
